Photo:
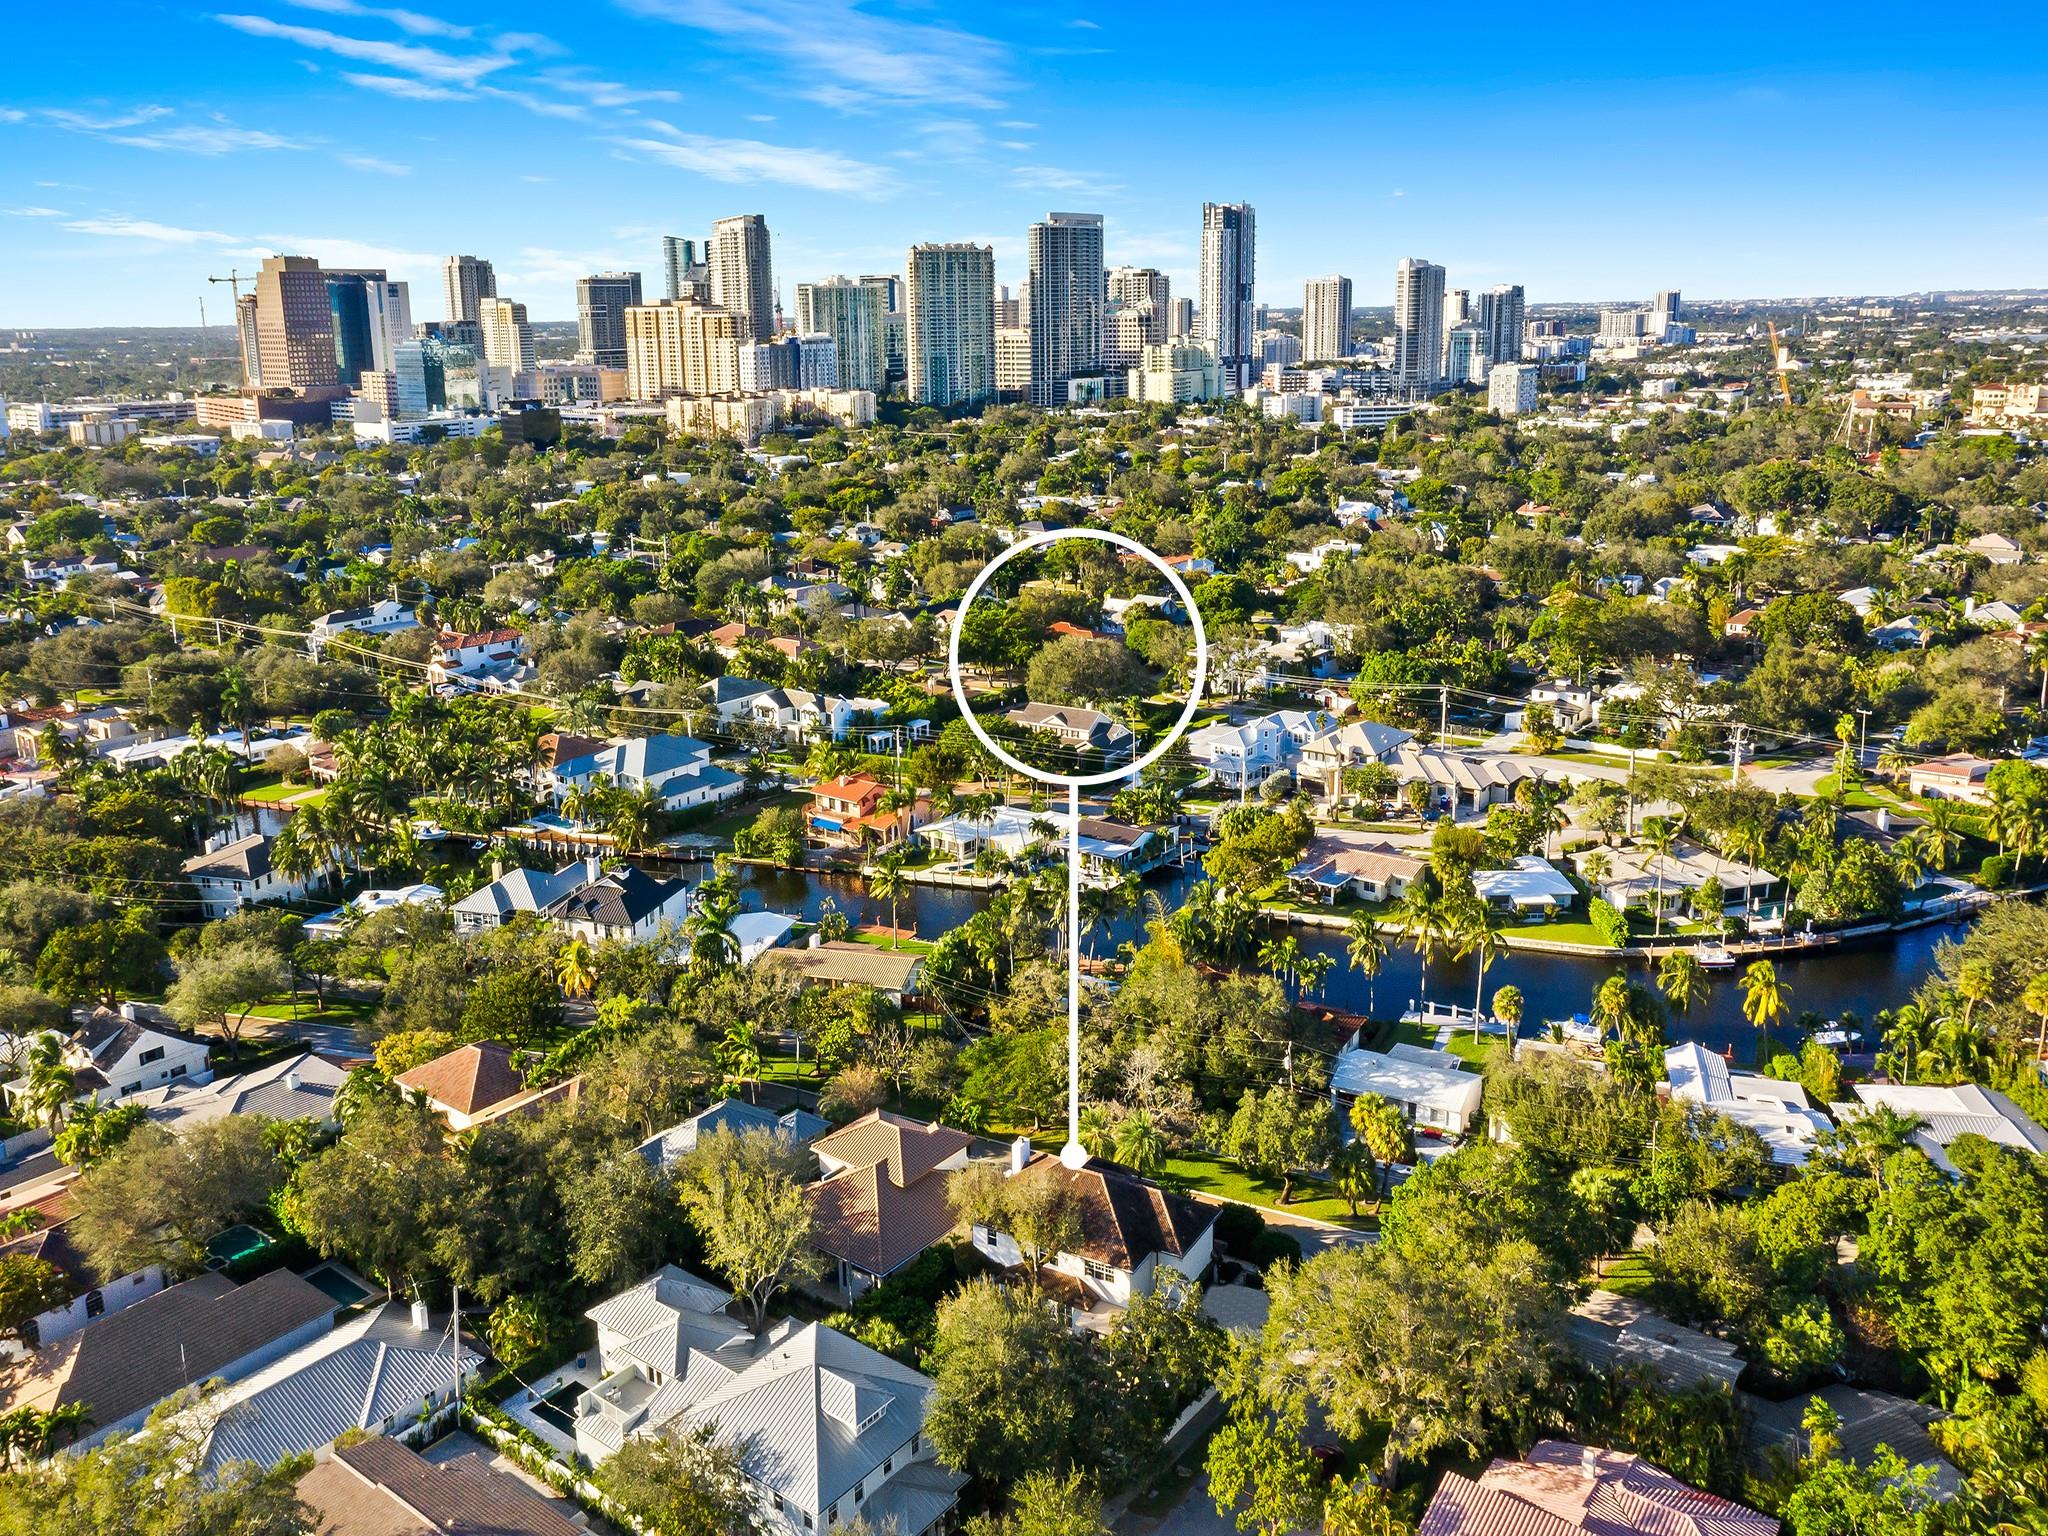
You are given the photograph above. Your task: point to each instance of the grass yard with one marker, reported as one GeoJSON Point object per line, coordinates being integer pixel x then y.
{"type": "Point", "coordinates": [1220, 1177]}
{"type": "Point", "coordinates": [881, 941]}
{"type": "Point", "coordinates": [1559, 933]}
{"type": "Point", "coordinates": [277, 791]}
{"type": "Point", "coordinates": [732, 817]}
{"type": "Point", "coordinates": [348, 1011]}
{"type": "Point", "coordinates": [1629, 1275]}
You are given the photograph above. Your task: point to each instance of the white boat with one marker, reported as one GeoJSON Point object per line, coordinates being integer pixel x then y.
{"type": "Point", "coordinates": [1714, 957]}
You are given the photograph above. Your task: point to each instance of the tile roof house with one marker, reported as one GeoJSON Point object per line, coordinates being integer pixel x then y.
{"type": "Point", "coordinates": [847, 812]}
{"type": "Point", "coordinates": [1958, 776]}
{"type": "Point", "coordinates": [231, 876]}
{"type": "Point", "coordinates": [381, 1488]}
{"type": "Point", "coordinates": [124, 1364]}
{"type": "Point", "coordinates": [840, 964]}
{"type": "Point", "coordinates": [1135, 1236]}
{"type": "Point", "coordinates": [467, 1085]}
{"type": "Point", "coordinates": [884, 1197]}
{"type": "Point", "coordinates": [628, 904]}
{"type": "Point", "coordinates": [827, 1428]}
{"type": "Point", "coordinates": [1561, 1489]}
{"type": "Point", "coordinates": [375, 1372]}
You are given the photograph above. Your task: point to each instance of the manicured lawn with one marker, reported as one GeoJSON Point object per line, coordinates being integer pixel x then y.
{"type": "Point", "coordinates": [340, 1010]}
{"type": "Point", "coordinates": [1220, 1177]}
{"type": "Point", "coordinates": [732, 818]}
{"type": "Point", "coordinates": [278, 790]}
{"type": "Point", "coordinates": [1478, 1052]}
{"type": "Point", "coordinates": [1562, 933]}
{"type": "Point", "coordinates": [882, 941]}
{"type": "Point", "coordinates": [1628, 1275]}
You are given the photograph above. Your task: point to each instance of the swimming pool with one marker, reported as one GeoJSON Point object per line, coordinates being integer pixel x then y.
{"type": "Point", "coordinates": [559, 1407]}
{"type": "Point", "coordinates": [330, 1281]}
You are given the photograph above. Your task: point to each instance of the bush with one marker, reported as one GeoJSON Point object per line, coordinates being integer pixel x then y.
{"type": "Point", "coordinates": [1239, 1228]}
{"type": "Point", "coordinates": [1996, 872]}
{"type": "Point", "coordinates": [1608, 923]}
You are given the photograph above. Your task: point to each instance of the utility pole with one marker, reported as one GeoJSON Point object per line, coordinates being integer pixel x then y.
{"type": "Point", "coordinates": [455, 1324]}
{"type": "Point", "coordinates": [1863, 738]}
{"type": "Point", "coordinates": [1735, 759]}
{"type": "Point", "coordinates": [1443, 699]}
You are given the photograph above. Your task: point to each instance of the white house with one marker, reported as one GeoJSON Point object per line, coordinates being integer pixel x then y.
{"type": "Point", "coordinates": [628, 904]}
{"type": "Point", "coordinates": [1430, 1088]}
{"type": "Point", "coordinates": [802, 715]}
{"type": "Point", "coordinates": [1243, 756]}
{"type": "Point", "coordinates": [235, 873]}
{"type": "Point", "coordinates": [385, 617]}
{"type": "Point", "coordinates": [333, 925]}
{"type": "Point", "coordinates": [1134, 1236]}
{"type": "Point", "coordinates": [1944, 1113]}
{"type": "Point", "coordinates": [1776, 1111]}
{"type": "Point", "coordinates": [112, 1057]}
{"type": "Point", "coordinates": [1309, 561]}
{"type": "Point", "coordinates": [1530, 888]}
{"type": "Point", "coordinates": [520, 890]}
{"type": "Point", "coordinates": [679, 767]}
{"type": "Point", "coordinates": [458, 657]}
{"type": "Point", "coordinates": [828, 1430]}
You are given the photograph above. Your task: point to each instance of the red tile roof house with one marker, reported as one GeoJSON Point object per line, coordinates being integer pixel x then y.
{"type": "Point", "coordinates": [1562, 1489]}
{"type": "Point", "coordinates": [1956, 777]}
{"type": "Point", "coordinates": [476, 1083]}
{"type": "Point", "coordinates": [845, 811]}
{"type": "Point", "coordinates": [885, 1194]}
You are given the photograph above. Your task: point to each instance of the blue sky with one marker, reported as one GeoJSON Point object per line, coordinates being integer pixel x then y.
{"type": "Point", "coordinates": [1741, 151]}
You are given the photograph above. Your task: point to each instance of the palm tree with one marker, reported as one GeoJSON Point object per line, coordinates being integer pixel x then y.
{"type": "Point", "coordinates": [887, 882]}
{"type": "Point", "coordinates": [1765, 1000]}
{"type": "Point", "coordinates": [1610, 1006]}
{"type": "Point", "coordinates": [713, 945]}
{"type": "Point", "coordinates": [573, 972]}
{"type": "Point", "coordinates": [1544, 800]}
{"type": "Point", "coordinates": [1140, 1145]}
{"type": "Point", "coordinates": [1660, 834]}
{"type": "Point", "coordinates": [739, 1056]}
{"type": "Point", "coordinates": [1281, 956]}
{"type": "Point", "coordinates": [50, 1088]}
{"type": "Point", "coordinates": [1976, 983]}
{"type": "Point", "coordinates": [1312, 969]}
{"type": "Point", "coordinates": [1366, 950]}
{"type": "Point", "coordinates": [299, 850]}
{"type": "Point", "coordinates": [1385, 1132]}
{"type": "Point", "coordinates": [1958, 1051]}
{"type": "Point", "coordinates": [1507, 1007]}
{"type": "Point", "coordinates": [629, 815]}
{"type": "Point", "coordinates": [2034, 999]}
{"type": "Point", "coordinates": [1682, 980]}
{"type": "Point", "coordinates": [1476, 929]}
{"type": "Point", "coordinates": [1941, 833]}
{"type": "Point", "coordinates": [1427, 925]}
{"type": "Point", "coordinates": [1352, 1172]}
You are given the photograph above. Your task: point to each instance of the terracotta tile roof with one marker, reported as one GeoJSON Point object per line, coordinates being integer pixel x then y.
{"type": "Point", "coordinates": [1562, 1489]}
{"type": "Point", "coordinates": [467, 1079]}
{"type": "Point", "coordinates": [1124, 1217]}
{"type": "Point", "coordinates": [131, 1359]}
{"type": "Point", "coordinates": [378, 1487]}
{"type": "Point", "coordinates": [911, 1148]}
{"type": "Point", "coordinates": [876, 1225]}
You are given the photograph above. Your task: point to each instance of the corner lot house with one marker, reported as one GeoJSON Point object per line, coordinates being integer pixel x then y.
{"type": "Point", "coordinates": [883, 1199]}
{"type": "Point", "coordinates": [233, 874]}
{"type": "Point", "coordinates": [828, 1428]}
{"type": "Point", "coordinates": [1135, 1236]}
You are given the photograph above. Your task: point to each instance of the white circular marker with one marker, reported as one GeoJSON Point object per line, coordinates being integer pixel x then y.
{"type": "Point", "coordinates": [1073, 1154]}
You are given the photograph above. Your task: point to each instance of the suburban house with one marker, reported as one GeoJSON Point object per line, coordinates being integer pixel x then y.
{"type": "Point", "coordinates": [88, 1299]}
{"type": "Point", "coordinates": [892, 972]}
{"type": "Point", "coordinates": [1463, 783]}
{"type": "Point", "coordinates": [883, 1198]}
{"type": "Point", "coordinates": [1087, 730]}
{"type": "Point", "coordinates": [520, 890]}
{"type": "Point", "coordinates": [1611, 1332]}
{"type": "Point", "coordinates": [1965, 1109]}
{"type": "Point", "coordinates": [1997, 548]}
{"type": "Point", "coordinates": [1561, 1489]}
{"type": "Point", "coordinates": [828, 1429]}
{"type": "Point", "coordinates": [332, 925]}
{"type": "Point", "coordinates": [1639, 876]}
{"type": "Point", "coordinates": [1011, 831]}
{"type": "Point", "coordinates": [459, 657]}
{"type": "Point", "coordinates": [800, 715]}
{"type": "Point", "coordinates": [628, 904]}
{"type": "Point", "coordinates": [1956, 777]}
{"type": "Point", "coordinates": [1776, 1111]}
{"type": "Point", "coordinates": [758, 932]}
{"type": "Point", "coordinates": [476, 1083]}
{"type": "Point", "coordinates": [1335, 868]}
{"type": "Point", "coordinates": [1531, 888]}
{"type": "Point", "coordinates": [384, 617]}
{"type": "Point", "coordinates": [380, 1371]}
{"type": "Point", "coordinates": [127, 1362]}
{"type": "Point", "coordinates": [1324, 759]}
{"type": "Point", "coordinates": [679, 767]}
{"type": "Point", "coordinates": [232, 874]}
{"type": "Point", "coordinates": [1134, 1236]}
{"type": "Point", "coordinates": [730, 696]}
{"type": "Point", "coordinates": [847, 812]}
{"type": "Point", "coordinates": [381, 1488]}
{"type": "Point", "coordinates": [1430, 1088]}
{"type": "Point", "coordinates": [665, 1148]}
{"type": "Point", "coordinates": [301, 1087]}
{"type": "Point", "coordinates": [1245, 756]}
{"type": "Point", "coordinates": [113, 1057]}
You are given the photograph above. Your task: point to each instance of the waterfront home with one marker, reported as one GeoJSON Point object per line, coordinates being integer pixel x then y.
{"type": "Point", "coordinates": [1430, 1088]}
{"type": "Point", "coordinates": [1532, 889]}
{"type": "Point", "coordinates": [1945, 1113]}
{"type": "Point", "coordinates": [1009, 831]}
{"type": "Point", "coordinates": [628, 904]}
{"type": "Point", "coordinates": [1132, 1236]}
{"type": "Point", "coordinates": [237, 871]}
{"type": "Point", "coordinates": [520, 890]}
{"type": "Point", "coordinates": [848, 812]}
{"type": "Point", "coordinates": [1563, 1489]}
{"type": "Point", "coordinates": [892, 972]}
{"type": "Point", "coordinates": [884, 1196]}
{"type": "Point", "coordinates": [1776, 1111]}
{"type": "Point", "coordinates": [124, 1364]}
{"type": "Point", "coordinates": [1338, 867]}
{"type": "Point", "coordinates": [1324, 759]}
{"type": "Point", "coordinates": [678, 768]}
{"type": "Point", "coordinates": [827, 1430]}
{"type": "Point", "coordinates": [1638, 876]}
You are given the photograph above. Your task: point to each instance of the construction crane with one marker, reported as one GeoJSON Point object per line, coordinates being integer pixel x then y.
{"type": "Point", "coordinates": [1781, 362]}
{"type": "Point", "coordinates": [234, 280]}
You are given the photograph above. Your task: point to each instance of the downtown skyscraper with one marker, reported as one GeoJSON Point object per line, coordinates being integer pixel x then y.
{"type": "Point", "coordinates": [602, 300]}
{"type": "Point", "coordinates": [1501, 314]}
{"type": "Point", "coordinates": [466, 281]}
{"type": "Point", "coordinates": [1224, 292]}
{"type": "Point", "coordinates": [852, 314]}
{"type": "Point", "coordinates": [1325, 319]}
{"type": "Point", "coordinates": [742, 280]}
{"type": "Point", "coordinates": [1418, 324]}
{"type": "Point", "coordinates": [949, 297]}
{"type": "Point", "coordinates": [1068, 297]}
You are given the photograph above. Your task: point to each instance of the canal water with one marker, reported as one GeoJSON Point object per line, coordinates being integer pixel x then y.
{"type": "Point", "coordinates": [1861, 979]}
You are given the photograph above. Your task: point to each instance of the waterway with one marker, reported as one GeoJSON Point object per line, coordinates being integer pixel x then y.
{"type": "Point", "coordinates": [1861, 978]}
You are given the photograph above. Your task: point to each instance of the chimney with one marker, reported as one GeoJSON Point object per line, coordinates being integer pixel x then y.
{"type": "Point", "coordinates": [816, 939]}
{"type": "Point", "coordinates": [497, 869]}
{"type": "Point", "coordinates": [291, 1079]}
{"type": "Point", "coordinates": [1589, 1462]}
{"type": "Point", "coordinates": [421, 1322]}
{"type": "Point", "coordinates": [1020, 1153]}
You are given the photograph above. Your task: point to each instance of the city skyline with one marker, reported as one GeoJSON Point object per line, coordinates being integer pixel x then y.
{"type": "Point", "coordinates": [375, 137]}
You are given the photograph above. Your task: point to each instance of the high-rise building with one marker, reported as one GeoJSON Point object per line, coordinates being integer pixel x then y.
{"type": "Point", "coordinates": [681, 349]}
{"type": "Point", "coordinates": [294, 324]}
{"type": "Point", "coordinates": [1511, 388]}
{"type": "Point", "coordinates": [684, 272]}
{"type": "Point", "coordinates": [1623, 325]}
{"type": "Point", "coordinates": [1135, 319]}
{"type": "Point", "coordinates": [1147, 290]}
{"type": "Point", "coordinates": [466, 282]}
{"type": "Point", "coordinates": [1006, 308]}
{"type": "Point", "coordinates": [766, 365]}
{"type": "Point", "coordinates": [1664, 310]}
{"type": "Point", "coordinates": [742, 280]}
{"type": "Point", "coordinates": [1068, 295]}
{"type": "Point", "coordinates": [817, 362]}
{"type": "Point", "coordinates": [252, 345]}
{"type": "Point", "coordinates": [1457, 306]}
{"type": "Point", "coordinates": [508, 338]}
{"type": "Point", "coordinates": [1013, 362]}
{"type": "Point", "coordinates": [892, 290]}
{"type": "Point", "coordinates": [1465, 359]}
{"type": "Point", "coordinates": [1500, 315]}
{"type": "Point", "coordinates": [602, 300]}
{"type": "Point", "coordinates": [1418, 324]}
{"type": "Point", "coordinates": [1326, 319]}
{"type": "Point", "coordinates": [949, 306]}
{"type": "Point", "coordinates": [371, 315]}
{"type": "Point", "coordinates": [1229, 240]}
{"type": "Point", "coordinates": [851, 314]}
{"type": "Point", "coordinates": [1180, 319]}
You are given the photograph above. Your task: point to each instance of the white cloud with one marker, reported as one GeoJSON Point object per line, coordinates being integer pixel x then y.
{"type": "Point", "coordinates": [116, 227]}
{"type": "Point", "coordinates": [852, 58]}
{"type": "Point", "coordinates": [373, 163]}
{"type": "Point", "coordinates": [409, 89]}
{"type": "Point", "coordinates": [536, 104]}
{"type": "Point", "coordinates": [748, 160]}
{"type": "Point", "coordinates": [1050, 178]}
{"type": "Point", "coordinates": [413, 22]}
{"type": "Point", "coordinates": [35, 213]}
{"type": "Point", "coordinates": [1016, 122]}
{"type": "Point", "coordinates": [760, 117]}
{"type": "Point", "coordinates": [86, 122]}
{"type": "Point", "coordinates": [603, 93]}
{"type": "Point", "coordinates": [1085, 25]}
{"type": "Point", "coordinates": [215, 138]}
{"type": "Point", "coordinates": [12, 115]}
{"type": "Point", "coordinates": [407, 58]}
{"type": "Point", "coordinates": [1020, 145]}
